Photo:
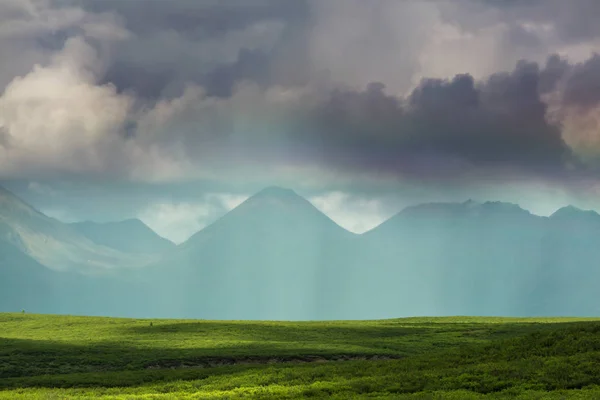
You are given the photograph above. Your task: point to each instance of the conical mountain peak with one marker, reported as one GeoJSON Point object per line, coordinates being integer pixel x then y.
{"type": "Point", "coordinates": [275, 210]}
{"type": "Point", "coordinates": [275, 195]}
{"type": "Point", "coordinates": [276, 192]}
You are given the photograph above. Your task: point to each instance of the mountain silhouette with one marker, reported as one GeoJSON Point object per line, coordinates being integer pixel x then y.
{"type": "Point", "coordinates": [266, 254]}
{"type": "Point", "coordinates": [276, 256]}
{"type": "Point", "coordinates": [449, 254]}
{"type": "Point", "coordinates": [54, 244]}
{"type": "Point", "coordinates": [48, 266]}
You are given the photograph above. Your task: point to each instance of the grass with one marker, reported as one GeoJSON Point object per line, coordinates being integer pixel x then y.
{"type": "Point", "coordinates": [58, 357]}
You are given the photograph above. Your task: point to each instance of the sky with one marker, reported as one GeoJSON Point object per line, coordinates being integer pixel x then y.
{"type": "Point", "coordinates": [175, 112]}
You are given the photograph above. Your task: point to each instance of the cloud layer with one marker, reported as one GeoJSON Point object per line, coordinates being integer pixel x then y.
{"type": "Point", "coordinates": [343, 95]}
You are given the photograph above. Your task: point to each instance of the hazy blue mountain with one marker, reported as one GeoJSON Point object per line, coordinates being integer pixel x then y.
{"type": "Point", "coordinates": [455, 258]}
{"type": "Point", "coordinates": [47, 266]}
{"type": "Point", "coordinates": [264, 259]}
{"type": "Point", "coordinates": [54, 244]}
{"type": "Point", "coordinates": [571, 263]}
{"type": "Point", "coordinates": [27, 285]}
{"type": "Point", "coordinates": [492, 258]}
{"type": "Point", "coordinates": [24, 283]}
{"type": "Point", "coordinates": [276, 256]}
{"type": "Point", "coordinates": [130, 236]}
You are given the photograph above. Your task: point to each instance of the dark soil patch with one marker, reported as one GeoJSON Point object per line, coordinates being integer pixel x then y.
{"type": "Point", "coordinates": [209, 362]}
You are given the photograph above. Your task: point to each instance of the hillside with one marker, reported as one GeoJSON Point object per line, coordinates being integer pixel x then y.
{"type": "Point", "coordinates": [47, 266]}
{"type": "Point", "coordinates": [24, 283]}
{"type": "Point", "coordinates": [493, 258]}
{"type": "Point", "coordinates": [458, 258]}
{"type": "Point", "coordinates": [54, 244]}
{"type": "Point", "coordinates": [450, 358]}
{"type": "Point", "coordinates": [129, 236]}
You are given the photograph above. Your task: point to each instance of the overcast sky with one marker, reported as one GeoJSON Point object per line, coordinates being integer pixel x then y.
{"type": "Point", "coordinates": [176, 111]}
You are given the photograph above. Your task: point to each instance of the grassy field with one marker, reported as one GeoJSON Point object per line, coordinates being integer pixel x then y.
{"type": "Point", "coordinates": [58, 357]}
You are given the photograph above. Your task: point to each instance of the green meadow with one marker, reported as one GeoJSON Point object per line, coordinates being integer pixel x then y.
{"type": "Point", "coordinates": [63, 357]}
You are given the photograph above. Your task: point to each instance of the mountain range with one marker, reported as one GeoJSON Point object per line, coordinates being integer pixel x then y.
{"type": "Point", "coordinates": [276, 256]}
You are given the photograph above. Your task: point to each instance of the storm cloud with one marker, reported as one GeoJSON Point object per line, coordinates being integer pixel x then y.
{"type": "Point", "coordinates": [342, 96]}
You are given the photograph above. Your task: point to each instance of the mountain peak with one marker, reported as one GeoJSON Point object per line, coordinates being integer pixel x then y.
{"type": "Point", "coordinates": [273, 209]}
{"type": "Point", "coordinates": [276, 191]}
{"type": "Point", "coordinates": [275, 195]}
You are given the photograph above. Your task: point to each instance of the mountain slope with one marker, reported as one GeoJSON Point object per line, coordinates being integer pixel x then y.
{"type": "Point", "coordinates": [459, 257]}
{"type": "Point", "coordinates": [264, 259]}
{"type": "Point", "coordinates": [276, 256]}
{"type": "Point", "coordinates": [130, 236]}
{"type": "Point", "coordinates": [53, 243]}
{"type": "Point", "coordinates": [24, 283]}
{"type": "Point", "coordinates": [490, 258]}
{"type": "Point", "coordinates": [570, 271]}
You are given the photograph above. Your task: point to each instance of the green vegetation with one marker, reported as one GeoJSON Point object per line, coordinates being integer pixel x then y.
{"type": "Point", "coordinates": [57, 357]}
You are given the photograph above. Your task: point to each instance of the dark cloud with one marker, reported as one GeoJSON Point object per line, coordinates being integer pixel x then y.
{"type": "Point", "coordinates": [582, 87]}
{"type": "Point", "coordinates": [500, 122]}
{"type": "Point", "coordinates": [213, 44]}
{"type": "Point", "coordinates": [177, 68]}
{"type": "Point", "coordinates": [199, 19]}
{"type": "Point", "coordinates": [442, 95]}
{"type": "Point", "coordinates": [250, 65]}
{"type": "Point", "coordinates": [555, 69]}
{"type": "Point", "coordinates": [147, 108]}
{"type": "Point", "coordinates": [167, 82]}
{"type": "Point", "coordinates": [144, 82]}
{"type": "Point", "coordinates": [573, 21]}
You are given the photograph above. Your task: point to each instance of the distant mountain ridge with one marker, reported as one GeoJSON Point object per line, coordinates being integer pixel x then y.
{"type": "Point", "coordinates": [52, 243]}
{"type": "Point", "coordinates": [276, 256]}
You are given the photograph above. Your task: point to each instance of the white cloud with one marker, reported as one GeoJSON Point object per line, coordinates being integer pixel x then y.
{"type": "Point", "coordinates": [56, 117]}
{"type": "Point", "coordinates": [361, 42]}
{"type": "Point", "coordinates": [355, 214]}
{"type": "Point", "coordinates": [400, 42]}
{"type": "Point", "coordinates": [42, 189]}
{"type": "Point", "coordinates": [228, 201]}
{"type": "Point", "coordinates": [26, 24]}
{"type": "Point", "coordinates": [178, 221]}
{"type": "Point", "coordinates": [202, 137]}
